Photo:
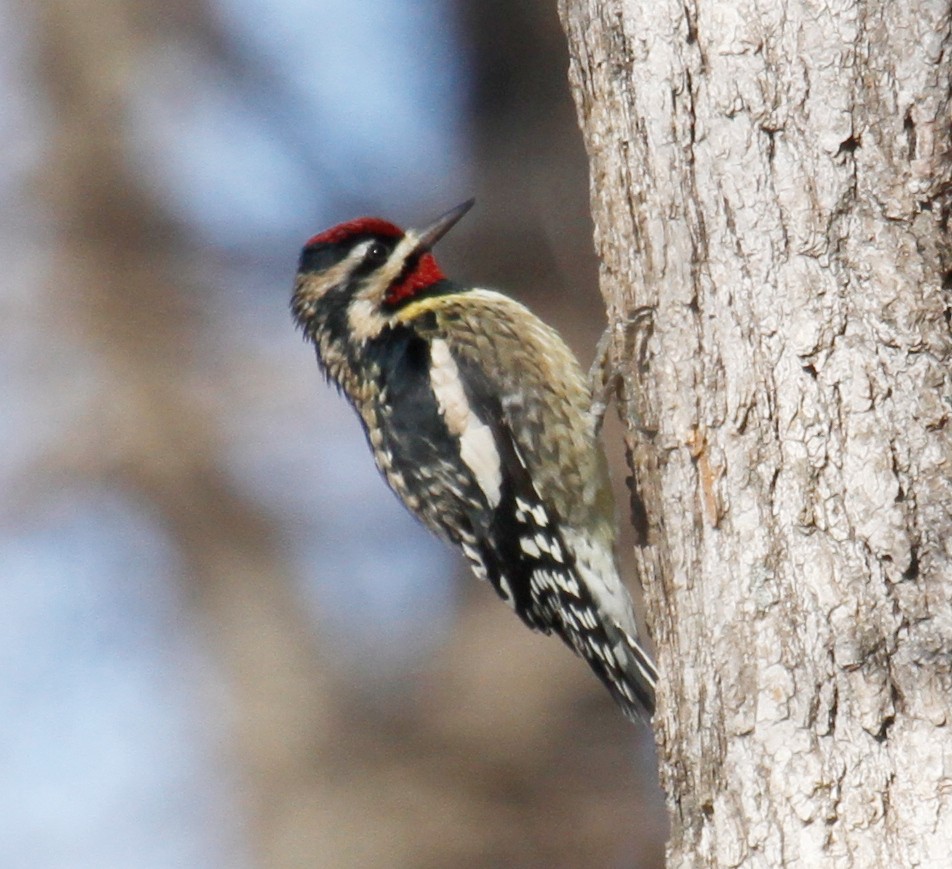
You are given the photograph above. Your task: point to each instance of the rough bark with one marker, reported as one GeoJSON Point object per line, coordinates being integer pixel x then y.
{"type": "Point", "coordinates": [771, 183]}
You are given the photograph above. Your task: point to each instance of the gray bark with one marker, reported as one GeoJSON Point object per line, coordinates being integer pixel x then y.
{"type": "Point", "coordinates": [771, 181]}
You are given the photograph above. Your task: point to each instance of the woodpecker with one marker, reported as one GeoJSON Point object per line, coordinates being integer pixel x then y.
{"type": "Point", "coordinates": [478, 416]}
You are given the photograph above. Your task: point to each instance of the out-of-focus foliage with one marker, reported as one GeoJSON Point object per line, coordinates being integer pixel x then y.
{"type": "Point", "coordinates": [222, 642]}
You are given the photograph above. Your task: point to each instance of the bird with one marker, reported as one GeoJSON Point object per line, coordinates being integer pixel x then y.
{"type": "Point", "coordinates": [480, 419]}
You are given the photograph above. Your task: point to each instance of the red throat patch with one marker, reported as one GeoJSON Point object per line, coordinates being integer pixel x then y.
{"type": "Point", "coordinates": [424, 275]}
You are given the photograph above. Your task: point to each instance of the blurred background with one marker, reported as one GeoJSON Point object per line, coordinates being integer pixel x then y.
{"type": "Point", "coordinates": [222, 641]}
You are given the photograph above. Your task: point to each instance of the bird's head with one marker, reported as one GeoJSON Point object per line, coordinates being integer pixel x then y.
{"type": "Point", "coordinates": [361, 272]}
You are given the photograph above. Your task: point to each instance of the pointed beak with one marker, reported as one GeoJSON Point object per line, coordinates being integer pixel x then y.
{"type": "Point", "coordinates": [431, 234]}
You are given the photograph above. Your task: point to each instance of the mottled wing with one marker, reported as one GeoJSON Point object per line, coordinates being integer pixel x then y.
{"type": "Point", "coordinates": [513, 463]}
{"type": "Point", "coordinates": [523, 549]}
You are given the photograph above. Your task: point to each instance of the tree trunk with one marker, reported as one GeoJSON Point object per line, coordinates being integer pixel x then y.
{"type": "Point", "coordinates": [771, 184]}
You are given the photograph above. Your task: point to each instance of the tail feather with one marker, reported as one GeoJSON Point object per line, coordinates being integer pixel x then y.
{"type": "Point", "coordinates": [627, 671]}
{"type": "Point", "coordinates": [619, 661]}
{"type": "Point", "coordinates": [639, 679]}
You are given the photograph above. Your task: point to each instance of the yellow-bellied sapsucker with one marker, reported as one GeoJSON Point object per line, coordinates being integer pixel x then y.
{"type": "Point", "coordinates": [479, 418]}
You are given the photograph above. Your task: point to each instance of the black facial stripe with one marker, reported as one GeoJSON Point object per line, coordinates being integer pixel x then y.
{"type": "Point", "coordinates": [319, 257]}
{"type": "Point", "coordinates": [376, 256]}
{"type": "Point", "coordinates": [334, 309]}
{"type": "Point", "coordinates": [409, 264]}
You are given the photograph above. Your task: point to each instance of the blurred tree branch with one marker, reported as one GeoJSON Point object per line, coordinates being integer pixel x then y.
{"type": "Point", "coordinates": [116, 281]}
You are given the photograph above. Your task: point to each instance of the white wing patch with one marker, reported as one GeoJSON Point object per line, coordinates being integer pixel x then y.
{"type": "Point", "coordinates": [477, 447]}
{"type": "Point", "coordinates": [524, 510]}
{"type": "Point", "coordinates": [530, 547]}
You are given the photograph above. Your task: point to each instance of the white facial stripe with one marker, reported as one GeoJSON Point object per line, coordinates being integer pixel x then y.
{"type": "Point", "coordinates": [389, 271]}
{"type": "Point", "coordinates": [476, 444]}
{"type": "Point", "coordinates": [317, 285]}
{"type": "Point", "coordinates": [364, 316]}
{"type": "Point", "coordinates": [365, 319]}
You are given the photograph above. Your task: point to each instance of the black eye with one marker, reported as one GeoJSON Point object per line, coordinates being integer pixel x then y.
{"type": "Point", "coordinates": [376, 253]}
